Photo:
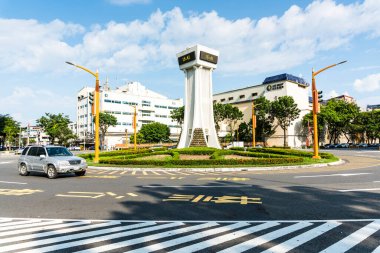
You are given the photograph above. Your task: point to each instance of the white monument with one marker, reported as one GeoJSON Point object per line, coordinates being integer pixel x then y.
{"type": "Point", "coordinates": [198, 129]}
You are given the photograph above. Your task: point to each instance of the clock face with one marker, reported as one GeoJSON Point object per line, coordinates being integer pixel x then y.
{"type": "Point", "coordinates": [203, 56]}
{"type": "Point", "coordinates": [186, 58]}
{"type": "Point", "coordinates": [208, 57]}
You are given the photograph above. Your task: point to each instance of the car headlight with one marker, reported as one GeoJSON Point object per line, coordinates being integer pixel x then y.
{"type": "Point", "coordinates": [63, 163]}
{"type": "Point", "coordinates": [83, 161]}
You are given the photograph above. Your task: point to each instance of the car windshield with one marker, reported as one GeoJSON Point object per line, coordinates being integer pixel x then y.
{"type": "Point", "coordinates": [58, 151]}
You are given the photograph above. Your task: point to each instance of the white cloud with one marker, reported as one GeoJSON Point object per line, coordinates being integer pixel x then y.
{"type": "Point", "coordinates": [368, 84]}
{"type": "Point", "coordinates": [129, 2]}
{"type": "Point", "coordinates": [270, 44]}
{"type": "Point", "coordinates": [25, 101]}
{"type": "Point", "coordinates": [332, 94]}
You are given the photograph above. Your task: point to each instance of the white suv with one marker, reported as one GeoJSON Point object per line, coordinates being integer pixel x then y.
{"type": "Point", "coordinates": [52, 160]}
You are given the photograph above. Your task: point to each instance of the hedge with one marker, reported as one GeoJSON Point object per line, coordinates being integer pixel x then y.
{"type": "Point", "coordinates": [259, 161]}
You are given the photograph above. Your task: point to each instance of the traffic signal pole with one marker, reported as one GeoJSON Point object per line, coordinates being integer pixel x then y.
{"type": "Point", "coordinates": [316, 107]}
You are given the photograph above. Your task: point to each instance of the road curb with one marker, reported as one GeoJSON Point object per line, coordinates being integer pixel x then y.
{"type": "Point", "coordinates": [293, 167]}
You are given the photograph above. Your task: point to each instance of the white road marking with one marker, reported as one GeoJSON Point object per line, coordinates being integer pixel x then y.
{"type": "Point", "coordinates": [195, 186]}
{"type": "Point", "coordinates": [353, 239]}
{"type": "Point", "coordinates": [132, 231]}
{"type": "Point", "coordinates": [266, 238]}
{"type": "Point", "coordinates": [360, 190]}
{"type": "Point", "coordinates": [6, 182]}
{"type": "Point", "coordinates": [189, 238]}
{"type": "Point", "coordinates": [302, 238]}
{"type": "Point", "coordinates": [149, 238]}
{"type": "Point", "coordinates": [226, 238]}
{"type": "Point", "coordinates": [335, 175]}
{"type": "Point", "coordinates": [4, 162]}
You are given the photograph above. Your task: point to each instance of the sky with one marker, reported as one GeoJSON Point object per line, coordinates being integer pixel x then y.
{"type": "Point", "coordinates": [137, 40]}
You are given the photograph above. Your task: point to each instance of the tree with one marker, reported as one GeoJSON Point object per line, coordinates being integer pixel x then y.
{"type": "Point", "coordinates": [178, 115]}
{"type": "Point", "coordinates": [155, 132]}
{"type": "Point", "coordinates": [57, 127]}
{"type": "Point", "coordinates": [232, 115]}
{"type": "Point", "coordinates": [285, 111]}
{"type": "Point", "coordinates": [105, 121]}
{"type": "Point", "coordinates": [264, 120]}
{"type": "Point", "coordinates": [339, 115]}
{"type": "Point", "coordinates": [219, 115]}
{"type": "Point", "coordinates": [245, 131]}
{"type": "Point", "coordinates": [9, 129]}
{"type": "Point", "coordinates": [139, 138]}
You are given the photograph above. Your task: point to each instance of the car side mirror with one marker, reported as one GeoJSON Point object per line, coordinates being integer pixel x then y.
{"type": "Point", "coordinates": [42, 156]}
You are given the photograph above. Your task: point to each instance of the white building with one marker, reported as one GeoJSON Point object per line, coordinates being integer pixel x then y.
{"type": "Point", "coordinates": [120, 102]}
{"type": "Point", "coordinates": [272, 88]}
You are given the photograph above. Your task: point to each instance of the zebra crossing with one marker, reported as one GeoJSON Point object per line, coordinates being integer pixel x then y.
{"type": "Point", "coordinates": [46, 235]}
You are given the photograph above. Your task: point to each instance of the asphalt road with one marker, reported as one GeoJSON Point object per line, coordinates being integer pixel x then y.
{"type": "Point", "coordinates": [337, 193]}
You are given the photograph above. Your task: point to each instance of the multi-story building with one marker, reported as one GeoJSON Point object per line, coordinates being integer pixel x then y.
{"type": "Point", "coordinates": [272, 88]}
{"type": "Point", "coordinates": [373, 108]}
{"type": "Point", "coordinates": [120, 102]}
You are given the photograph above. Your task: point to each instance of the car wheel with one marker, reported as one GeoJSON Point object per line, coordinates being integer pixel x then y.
{"type": "Point", "coordinates": [23, 170]}
{"type": "Point", "coordinates": [80, 173]}
{"type": "Point", "coordinates": [52, 172]}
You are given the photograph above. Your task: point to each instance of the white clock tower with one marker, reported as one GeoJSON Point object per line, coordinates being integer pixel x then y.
{"type": "Point", "coordinates": [198, 129]}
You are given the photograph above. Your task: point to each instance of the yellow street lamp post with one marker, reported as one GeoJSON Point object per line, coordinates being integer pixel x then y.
{"type": "Point", "coordinates": [316, 107]}
{"type": "Point", "coordinates": [254, 124]}
{"type": "Point", "coordinates": [134, 129]}
{"type": "Point", "coordinates": [97, 106]}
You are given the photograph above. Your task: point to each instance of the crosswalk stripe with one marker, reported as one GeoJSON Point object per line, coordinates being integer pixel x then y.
{"type": "Point", "coordinates": [189, 238]}
{"type": "Point", "coordinates": [5, 220]}
{"type": "Point", "coordinates": [225, 238]}
{"type": "Point", "coordinates": [353, 239]}
{"type": "Point", "coordinates": [377, 250]}
{"type": "Point", "coordinates": [123, 172]}
{"type": "Point", "coordinates": [35, 235]}
{"type": "Point", "coordinates": [266, 238]}
{"type": "Point", "coordinates": [104, 238]}
{"type": "Point", "coordinates": [29, 225]}
{"type": "Point", "coordinates": [149, 238]}
{"type": "Point", "coordinates": [155, 172]}
{"type": "Point", "coordinates": [63, 238]}
{"type": "Point", "coordinates": [5, 226]}
{"type": "Point", "coordinates": [302, 238]}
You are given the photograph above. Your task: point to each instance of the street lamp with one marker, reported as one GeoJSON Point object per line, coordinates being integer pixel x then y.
{"type": "Point", "coordinates": [134, 128]}
{"type": "Point", "coordinates": [97, 104]}
{"type": "Point", "coordinates": [316, 106]}
{"type": "Point", "coordinates": [254, 124]}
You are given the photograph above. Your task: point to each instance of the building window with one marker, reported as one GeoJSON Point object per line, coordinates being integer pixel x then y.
{"type": "Point", "coordinates": [254, 94]}
{"type": "Point", "coordinates": [230, 98]}
{"type": "Point", "coordinates": [242, 96]}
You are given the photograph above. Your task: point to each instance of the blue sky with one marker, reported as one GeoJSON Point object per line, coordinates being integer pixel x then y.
{"type": "Point", "coordinates": [136, 40]}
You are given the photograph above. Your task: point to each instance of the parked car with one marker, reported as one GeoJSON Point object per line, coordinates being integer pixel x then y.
{"type": "Point", "coordinates": [19, 151]}
{"type": "Point", "coordinates": [51, 160]}
{"type": "Point", "coordinates": [343, 145]}
{"type": "Point", "coordinates": [362, 145]}
{"type": "Point", "coordinates": [74, 148]}
{"type": "Point", "coordinates": [330, 146]}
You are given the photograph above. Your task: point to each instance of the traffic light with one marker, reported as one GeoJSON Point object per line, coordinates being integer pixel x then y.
{"type": "Point", "coordinates": [320, 96]}
{"type": "Point", "coordinates": [91, 98]}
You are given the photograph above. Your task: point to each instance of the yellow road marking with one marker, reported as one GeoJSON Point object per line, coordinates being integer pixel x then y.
{"type": "Point", "coordinates": [154, 172]}
{"type": "Point", "coordinates": [198, 198]}
{"type": "Point", "coordinates": [113, 172]}
{"type": "Point", "coordinates": [144, 172]}
{"type": "Point", "coordinates": [124, 172]}
{"type": "Point", "coordinates": [109, 177]}
{"type": "Point", "coordinates": [168, 173]}
{"type": "Point", "coordinates": [119, 197]}
{"type": "Point", "coordinates": [111, 193]}
{"type": "Point", "coordinates": [132, 194]}
{"type": "Point", "coordinates": [151, 177]}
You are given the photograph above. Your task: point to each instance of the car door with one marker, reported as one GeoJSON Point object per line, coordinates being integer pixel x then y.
{"type": "Point", "coordinates": [39, 161]}
{"type": "Point", "coordinates": [31, 157]}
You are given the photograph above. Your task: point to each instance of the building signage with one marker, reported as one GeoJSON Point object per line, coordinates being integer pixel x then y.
{"type": "Point", "coordinates": [209, 57]}
{"type": "Point", "coordinates": [278, 86]}
{"type": "Point", "coordinates": [186, 58]}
